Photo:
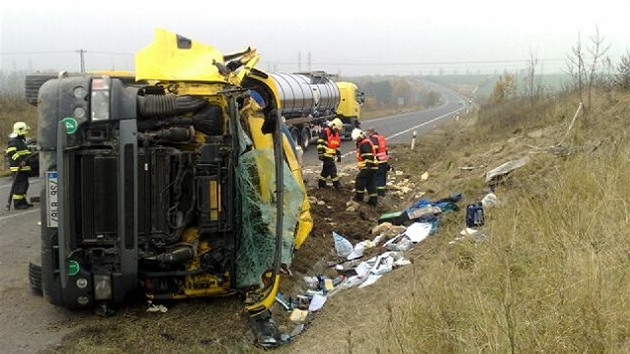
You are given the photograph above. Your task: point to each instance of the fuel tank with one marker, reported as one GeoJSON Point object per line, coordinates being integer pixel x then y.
{"type": "Point", "coordinates": [308, 93]}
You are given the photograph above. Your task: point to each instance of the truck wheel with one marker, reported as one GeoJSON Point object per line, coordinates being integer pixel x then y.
{"type": "Point", "coordinates": [295, 134]}
{"type": "Point", "coordinates": [32, 83]}
{"type": "Point", "coordinates": [35, 278]}
{"type": "Point", "coordinates": [305, 138]}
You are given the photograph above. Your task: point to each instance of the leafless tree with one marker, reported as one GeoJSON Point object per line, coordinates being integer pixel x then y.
{"type": "Point", "coordinates": [584, 74]}
{"type": "Point", "coordinates": [622, 79]}
{"type": "Point", "coordinates": [575, 65]}
{"type": "Point", "coordinates": [530, 77]}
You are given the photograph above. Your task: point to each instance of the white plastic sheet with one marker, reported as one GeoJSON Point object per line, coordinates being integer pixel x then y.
{"type": "Point", "coordinates": [317, 302]}
{"type": "Point", "coordinates": [342, 245]}
{"type": "Point", "coordinates": [418, 231]}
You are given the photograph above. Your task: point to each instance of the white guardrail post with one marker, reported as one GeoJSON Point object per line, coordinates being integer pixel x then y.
{"type": "Point", "coordinates": [413, 140]}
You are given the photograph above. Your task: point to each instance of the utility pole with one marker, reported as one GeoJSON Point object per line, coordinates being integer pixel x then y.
{"type": "Point", "coordinates": [308, 61]}
{"type": "Point", "coordinates": [299, 62]}
{"type": "Point", "coordinates": [82, 58]}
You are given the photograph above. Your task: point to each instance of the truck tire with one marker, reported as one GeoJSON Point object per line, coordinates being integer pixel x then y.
{"type": "Point", "coordinates": [32, 83]}
{"type": "Point", "coordinates": [305, 138]}
{"type": "Point", "coordinates": [295, 134]}
{"type": "Point", "coordinates": [35, 278]}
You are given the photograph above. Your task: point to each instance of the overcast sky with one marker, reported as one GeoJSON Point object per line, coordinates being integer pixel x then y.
{"type": "Point", "coordinates": [343, 37]}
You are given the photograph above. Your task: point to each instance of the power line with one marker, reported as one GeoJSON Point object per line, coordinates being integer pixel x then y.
{"type": "Point", "coordinates": [111, 53]}
{"type": "Point", "coordinates": [64, 52]}
{"type": "Point", "coordinates": [36, 53]}
{"type": "Point", "coordinates": [420, 63]}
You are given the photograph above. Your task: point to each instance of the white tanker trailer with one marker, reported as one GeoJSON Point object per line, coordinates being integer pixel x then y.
{"type": "Point", "coordinates": [310, 100]}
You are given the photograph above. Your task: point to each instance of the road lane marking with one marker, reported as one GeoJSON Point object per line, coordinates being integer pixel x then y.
{"type": "Point", "coordinates": [450, 114]}
{"type": "Point", "coordinates": [7, 217]}
{"type": "Point", "coordinates": [419, 125]}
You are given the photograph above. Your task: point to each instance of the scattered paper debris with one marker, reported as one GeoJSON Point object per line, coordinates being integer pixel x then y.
{"type": "Point", "coordinates": [156, 308]}
{"type": "Point", "coordinates": [298, 315]}
{"type": "Point", "coordinates": [317, 302]}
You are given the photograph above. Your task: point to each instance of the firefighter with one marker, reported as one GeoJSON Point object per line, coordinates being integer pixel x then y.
{"type": "Point", "coordinates": [382, 154]}
{"type": "Point", "coordinates": [328, 150]}
{"type": "Point", "coordinates": [18, 154]}
{"type": "Point", "coordinates": [367, 163]}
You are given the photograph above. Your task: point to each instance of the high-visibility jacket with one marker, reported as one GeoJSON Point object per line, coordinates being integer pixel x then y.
{"type": "Point", "coordinates": [380, 142]}
{"type": "Point", "coordinates": [366, 154]}
{"type": "Point", "coordinates": [17, 151]}
{"type": "Point", "coordinates": [329, 142]}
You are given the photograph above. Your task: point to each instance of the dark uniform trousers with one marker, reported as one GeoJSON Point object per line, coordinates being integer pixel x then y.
{"type": "Point", "coordinates": [18, 152]}
{"type": "Point", "coordinates": [366, 180]}
{"type": "Point", "coordinates": [381, 177]}
{"type": "Point", "coordinates": [329, 169]}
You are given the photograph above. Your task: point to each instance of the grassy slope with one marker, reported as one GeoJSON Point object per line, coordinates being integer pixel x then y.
{"type": "Point", "coordinates": [14, 109]}
{"type": "Point", "coordinates": [550, 275]}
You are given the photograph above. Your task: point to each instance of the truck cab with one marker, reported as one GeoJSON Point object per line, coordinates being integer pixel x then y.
{"type": "Point", "coordinates": [165, 186]}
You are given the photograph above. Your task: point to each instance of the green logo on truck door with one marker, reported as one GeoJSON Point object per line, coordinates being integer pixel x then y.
{"type": "Point", "coordinates": [73, 267]}
{"type": "Point", "coordinates": [71, 125]}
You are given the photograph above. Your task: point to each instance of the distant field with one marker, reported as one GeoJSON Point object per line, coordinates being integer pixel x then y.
{"type": "Point", "coordinates": [482, 85]}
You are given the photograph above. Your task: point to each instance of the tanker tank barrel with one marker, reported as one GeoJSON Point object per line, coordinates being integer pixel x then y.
{"type": "Point", "coordinates": [303, 95]}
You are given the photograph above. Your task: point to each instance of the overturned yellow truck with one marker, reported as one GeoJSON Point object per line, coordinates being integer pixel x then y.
{"type": "Point", "coordinates": [176, 183]}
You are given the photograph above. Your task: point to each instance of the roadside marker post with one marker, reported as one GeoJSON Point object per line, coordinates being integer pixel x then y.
{"type": "Point", "coordinates": [413, 140]}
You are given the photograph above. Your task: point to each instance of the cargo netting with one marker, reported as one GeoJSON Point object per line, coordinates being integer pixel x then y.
{"type": "Point", "coordinates": [256, 183]}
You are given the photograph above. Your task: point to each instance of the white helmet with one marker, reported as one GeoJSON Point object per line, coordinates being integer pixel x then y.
{"type": "Point", "coordinates": [357, 134]}
{"type": "Point", "coordinates": [20, 128]}
{"type": "Point", "coordinates": [336, 124]}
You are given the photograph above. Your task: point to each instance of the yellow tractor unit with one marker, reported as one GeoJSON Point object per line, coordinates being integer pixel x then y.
{"type": "Point", "coordinates": [177, 182]}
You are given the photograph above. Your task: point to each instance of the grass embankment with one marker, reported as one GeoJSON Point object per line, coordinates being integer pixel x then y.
{"type": "Point", "coordinates": [369, 112]}
{"type": "Point", "coordinates": [14, 109]}
{"type": "Point", "coordinates": [551, 275]}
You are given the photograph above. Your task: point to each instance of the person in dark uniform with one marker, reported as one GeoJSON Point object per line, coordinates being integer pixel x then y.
{"type": "Point", "coordinates": [382, 155]}
{"type": "Point", "coordinates": [18, 154]}
{"type": "Point", "coordinates": [367, 164]}
{"type": "Point", "coordinates": [328, 152]}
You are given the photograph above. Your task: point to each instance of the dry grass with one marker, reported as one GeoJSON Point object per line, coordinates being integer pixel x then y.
{"type": "Point", "coordinates": [14, 109]}
{"type": "Point", "coordinates": [551, 275]}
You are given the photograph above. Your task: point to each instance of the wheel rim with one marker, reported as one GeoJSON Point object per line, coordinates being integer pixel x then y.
{"type": "Point", "coordinates": [305, 139]}
{"type": "Point", "coordinates": [295, 135]}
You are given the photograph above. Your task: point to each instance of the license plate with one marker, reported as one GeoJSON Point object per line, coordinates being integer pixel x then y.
{"type": "Point", "coordinates": [51, 198]}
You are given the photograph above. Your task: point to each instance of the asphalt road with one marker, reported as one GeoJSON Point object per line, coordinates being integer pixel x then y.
{"type": "Point", "coordinates": [401, 127]}
{"type": "Point", "coordinates": [28, 323]}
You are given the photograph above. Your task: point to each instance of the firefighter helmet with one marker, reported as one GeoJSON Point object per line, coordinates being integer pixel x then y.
{"type": "Point", "coordinates": [20, 128]}
{"type": "Point", "coordinates": [357, 134]}
{"type": "Point", "coordinates": [336, 124]}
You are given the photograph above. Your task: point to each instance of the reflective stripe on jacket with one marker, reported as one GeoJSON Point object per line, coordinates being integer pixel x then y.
{"type": "Point", "coordinates": [328, 142]}
{"type": "Point", "coordinates": [17, 152]}
{"type": "Point", "coordinates": [380, 142]}
{"type": "Point", "coordinates": [366, 154]}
